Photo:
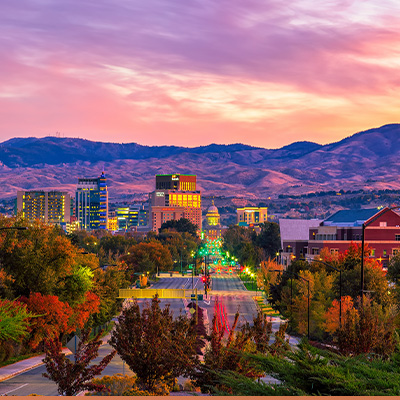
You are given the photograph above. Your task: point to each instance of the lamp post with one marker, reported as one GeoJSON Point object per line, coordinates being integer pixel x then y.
{"type": "Point", "coordinates": [308, 296]}
{"type": "Point", "coordinates": [340, 284]}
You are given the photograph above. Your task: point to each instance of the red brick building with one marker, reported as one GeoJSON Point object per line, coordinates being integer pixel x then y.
{"type": "Point", "coordinates": [382, 233]}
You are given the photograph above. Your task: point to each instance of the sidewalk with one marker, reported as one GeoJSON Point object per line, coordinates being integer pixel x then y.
{"type": "Point", "coordinates": [19, 367]}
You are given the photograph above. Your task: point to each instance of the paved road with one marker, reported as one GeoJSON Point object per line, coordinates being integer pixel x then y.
{"type": "Point", "coordinates": [32, 381]}
{"type": "Point", "coordinates": [229, 290]}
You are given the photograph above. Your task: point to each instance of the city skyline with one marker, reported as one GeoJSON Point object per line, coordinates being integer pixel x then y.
{"type": "Point", "coordinates": [190, 73]}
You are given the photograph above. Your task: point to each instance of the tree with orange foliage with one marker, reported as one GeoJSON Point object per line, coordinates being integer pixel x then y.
{"type": "Point", "coordinates": [82, 311]}
{"type": "Point", "coordinates": [332, 315]}
{"type": "Point", "coordinates": [267, 274]}
{"type": "Point", "coordinates": [369, 328]}
{"type": "Point", "coordinates": [52, 317]}
{"type": "Point", "coordinates": [146, 256]}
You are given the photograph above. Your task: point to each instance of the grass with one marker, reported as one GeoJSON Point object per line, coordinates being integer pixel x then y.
{"type": "Point", "coordinates": [15, 359]}
{"type": "Point", "coordinates": [266, 309]}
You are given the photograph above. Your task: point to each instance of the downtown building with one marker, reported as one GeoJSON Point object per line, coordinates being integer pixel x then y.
{"type": "Point", "coordinates": [307, 238]}
{"type": "Point", "coordinates": [251, 216]}
{"type": "Point", "coordinates": [52, 207]}
{"type": "Point", "coordinates": [91, 203]}
{"type": "Point", "coordinates": [175, 197]}
{"type": "Point", "coordinates": [130, 217]}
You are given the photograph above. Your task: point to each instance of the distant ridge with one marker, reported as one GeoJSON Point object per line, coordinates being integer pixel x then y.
{"type": "Point", "coordinates": [368, 159]}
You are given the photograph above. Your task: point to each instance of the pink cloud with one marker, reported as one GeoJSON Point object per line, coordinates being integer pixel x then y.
{"type": "Point", "coordinates": [195, 72]}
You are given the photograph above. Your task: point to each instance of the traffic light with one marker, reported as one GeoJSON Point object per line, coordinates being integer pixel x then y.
{"type": "Point", "coordinates": [203, 278]}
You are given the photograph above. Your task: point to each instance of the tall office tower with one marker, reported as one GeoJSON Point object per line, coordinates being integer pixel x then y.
{"type": "Point", "coordinates": [91, 201]}
{"type": "Point", "coordinates": [175, 197]}
{"type": "Point", "coordinates": [51, 207]}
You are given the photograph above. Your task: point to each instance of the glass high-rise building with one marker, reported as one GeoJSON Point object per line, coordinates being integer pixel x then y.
{"type": "Point", "coordinates": [91, 203]}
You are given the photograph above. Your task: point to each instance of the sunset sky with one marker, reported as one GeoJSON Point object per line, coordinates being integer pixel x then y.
{"type": "Point", "coordinates": [194, 72]}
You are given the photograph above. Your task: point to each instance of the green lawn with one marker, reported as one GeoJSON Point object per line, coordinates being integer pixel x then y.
{"type": "Point", "coordinates": [266, 309]}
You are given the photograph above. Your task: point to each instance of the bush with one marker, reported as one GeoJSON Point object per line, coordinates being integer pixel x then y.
{"type": "Point", "coordinates": [124, 385]}
{"type": "Point", "coordinates": [117, 384]}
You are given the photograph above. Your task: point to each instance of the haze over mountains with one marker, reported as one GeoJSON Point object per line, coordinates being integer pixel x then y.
{"type": "Point", "coordinates": [365, 160]}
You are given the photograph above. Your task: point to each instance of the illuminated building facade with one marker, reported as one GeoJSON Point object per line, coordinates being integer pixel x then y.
{"type": "Point", "coordinates": [179, 182]}
{"type": "Point", "coordinates": [91, 201]}
{"type": "Point", "coordinates": [250, 216]}
{"type": "Point", "coordinates": [175, 197]}
{"type": "Point", "coordinates": [51, 207]}
{"type": "Point", "coordinates": [212, 216]}
{"type": "Point", "coordinates": [131, 216]}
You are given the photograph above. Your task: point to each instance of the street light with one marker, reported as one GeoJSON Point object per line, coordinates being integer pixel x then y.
{"type": "Point", "coordinates": [308, 296]}
{"type": "Point", "coordinates": [340, 285]}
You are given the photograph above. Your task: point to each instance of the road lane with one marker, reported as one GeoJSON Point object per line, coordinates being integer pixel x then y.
{"type": "Point", "coordinates": [229, 290]}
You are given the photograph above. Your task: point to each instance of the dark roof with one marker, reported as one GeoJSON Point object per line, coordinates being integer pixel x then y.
{"type": "Point", "coordinates": [351, 217]}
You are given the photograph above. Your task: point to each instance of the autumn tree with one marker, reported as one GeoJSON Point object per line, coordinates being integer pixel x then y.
{"type": "Point", "coordinates": [154, 344]}
{"type": "Point", "coordinates": [55, 318]}
{"type": "Point", "coordinates": [75, 376]}
{"type": "Point", "coordinates": [332, 315]}
{"type": "Point", "coordinates": [368, 328]}
{"type": "Point", "coordinates": [39, 259]}
{"type": "Point", "coordinates": [106, 286]}
{"type": "Point", "coordinates": [229, 352]}
{"type": "Point", "coordinates": [150, 256]}
{"type": "Point", "coordinates": [268, 275]}
{"type": "Point", "coordinates": [52, 317]}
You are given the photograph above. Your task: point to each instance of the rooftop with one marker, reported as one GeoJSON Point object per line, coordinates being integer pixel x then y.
{"type": "Point", "coordinates": [350, 217]}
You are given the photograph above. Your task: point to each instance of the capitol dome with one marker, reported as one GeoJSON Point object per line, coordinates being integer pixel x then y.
{"type": "Point", "coordinates": [212, 216]}
{"type": "Point", "coordinates": [212, 209]}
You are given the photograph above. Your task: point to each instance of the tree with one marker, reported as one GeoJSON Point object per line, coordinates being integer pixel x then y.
{"type": "Point", "coordinates": [332, 315]}
{"type": "Point", "coordinates": [269, 239]}
{"type": "Point", "coordinates": [268, 275]}
{"type": "Point", "coordinates": [76, 285]}
{"type": "Point", "coordinates": [14, 320]}
{"type": "Point", "coordinates": [368, 328]}
{"type": "Point", "coordinates": [148, 257]}
{"type": "Point", "coordinates": [52, 317]}
{"type": "Point", "coordinates": [106, 286]}
{"type": "Point", "coordinates": [180, 225]}
{"type": "Point", "coordinates": [231, 354]}
{"type": "Point", "coordinates": [38, 259]}
{"type": "Point", "coordinates": [55, 318]}
{"type": "Point", "coordinates": [154, 344]}
{"type": "Point", "coordinates": [74, 377]}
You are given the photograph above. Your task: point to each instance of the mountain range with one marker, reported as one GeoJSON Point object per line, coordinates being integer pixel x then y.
{"type": "Point", "coordinates": [365, 160]}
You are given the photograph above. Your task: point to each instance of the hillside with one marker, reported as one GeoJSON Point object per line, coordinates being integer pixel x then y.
{"type": "Point", "coordinates": [368, 159]}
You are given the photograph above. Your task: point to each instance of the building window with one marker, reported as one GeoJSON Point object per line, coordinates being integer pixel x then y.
{"type": "Point", "coordinates": [384, 253]}
{"type": "Point", "coordinates": [315, 250]}
{"type": "Point", "coordinates": [372, 252]}
{"type": "Point", "coordinates": [334, 251]}
{"type": "Point", "coordinates": [383, 223]}
{"type": "Point", "coordinates": [397, 237]}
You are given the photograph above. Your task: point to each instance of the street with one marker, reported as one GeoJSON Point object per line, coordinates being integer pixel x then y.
{"type": "Point", "coordinates": [228, 289]}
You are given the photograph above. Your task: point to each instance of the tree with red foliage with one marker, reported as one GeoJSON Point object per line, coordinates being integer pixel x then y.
{"type": "Point", "coordinates": [55, 318]}
{"type": "Point", "coordinates": [74, 377]}
{"type": "Point", "coordinates": [81, 312]}
{"type": "Point", "coordinates": [52, 317]}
